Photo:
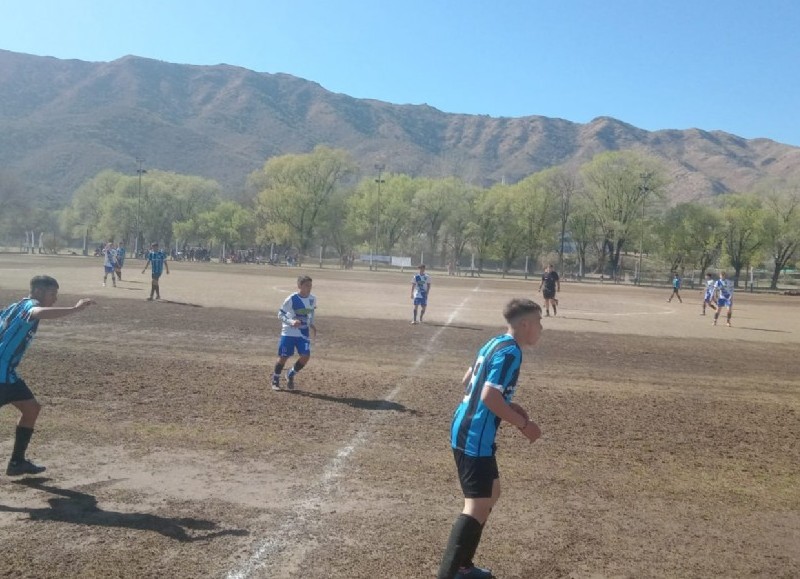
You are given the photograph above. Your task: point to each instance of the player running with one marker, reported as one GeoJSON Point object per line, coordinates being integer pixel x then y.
{"type": "Point", "coordinates": [708, 296]}
{"type": "Point", "coordinates": [723, 287]}
{"type": "Point", "coordinates": [676, 288]}
{"type": "Point", "coordinates": [297, 316]}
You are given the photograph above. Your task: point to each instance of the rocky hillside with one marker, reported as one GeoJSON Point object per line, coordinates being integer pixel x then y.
{"type": "Point", "coordinates": [62, 121]}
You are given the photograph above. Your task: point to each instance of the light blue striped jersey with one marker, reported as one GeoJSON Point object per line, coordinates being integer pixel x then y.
{"type": "Point", "coordinates": [17, 329]}
{"type": "Point", "coordinates": [157, 259]}
{"type": "Point", "coordinates": [474, 426]}
{"type": "Point", "coordinates": [120, 255]}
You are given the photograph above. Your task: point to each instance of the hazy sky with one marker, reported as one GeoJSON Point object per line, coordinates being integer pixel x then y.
{"type": "Point", "coordinates": [732, 65]}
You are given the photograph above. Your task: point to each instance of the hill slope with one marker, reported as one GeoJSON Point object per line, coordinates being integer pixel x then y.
{"type": "Point", "coordinates": [62, 121]}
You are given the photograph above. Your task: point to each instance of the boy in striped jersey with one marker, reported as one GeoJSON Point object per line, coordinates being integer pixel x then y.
{"type": "Point", "coordinates": [490, 384]}
{"type": "Point", "coordinates": [723, 287]}
{"type": "Point", "coordinates": [297, 318]}
{"type": "Point", "coordinates": [157, 260]}
{"type": "Point", "coordinates": [18, 325]}
{"type": "Point", "coordinates": [708, 296]}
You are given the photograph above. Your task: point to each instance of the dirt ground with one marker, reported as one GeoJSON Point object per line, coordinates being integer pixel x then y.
{"type": "Point", "coordinates": [670, 447]}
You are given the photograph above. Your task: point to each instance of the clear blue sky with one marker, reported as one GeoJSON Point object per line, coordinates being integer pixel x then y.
{"type": "Point", "coordinates": [732, 65]}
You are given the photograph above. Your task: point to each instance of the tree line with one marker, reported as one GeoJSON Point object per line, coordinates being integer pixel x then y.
{"type": "Point", "coordinates": [584, 217]}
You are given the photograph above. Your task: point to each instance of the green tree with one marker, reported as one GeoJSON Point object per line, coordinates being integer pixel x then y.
{"type": "Point", "coordinates": [483, 228]}
{"type": "Point", "coordinates": [297, 190]}
{"type": "Point", "coordinates": [433, 202]}
{"type": "Point", "coordinates": [583, 231]}
{"type": "Point", "coordinates": [510, 237]}
{"type": "Point", "coordinates": [535, 204]}
{"type": "Point", "coordinates": [618, 186]}
{"type": "Point", "coordinates": [743, 223]}
{"type": "Point", "coordinates": [782, 227]}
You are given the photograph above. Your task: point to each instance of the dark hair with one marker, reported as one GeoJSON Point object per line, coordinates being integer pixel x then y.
{"type": "Point", "coordinates": [44, 282]}
{"type": "Point", "coordinates": [709, 274]}
{"type": "Point", "coordinates": [519, 307]}
{"type": "Point", "coordinates": [303, 279]}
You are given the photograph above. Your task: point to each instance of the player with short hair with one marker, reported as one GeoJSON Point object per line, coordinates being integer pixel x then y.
{"type": "Point", "coordinates": [708, 295]}
{"type": "Point", "coordinates": [109, 262]}
{"type": "Point", "coordinates": [120, 259]}
{"type": "Point", "coordinates": [723, 288]}
{"type": "Point", "coordinates": [157, 260]}
{"type": "Point", "coordinates": [420, 290]}
{"type": "Point", "coordinates": [297, 316]}
{"type": "Point", "coordinates": [18, 325]}
{"type": "Point", "coordinates": [490, 385]}
{"type": "Point", "coordinates": [676, 288]}
{"type": "Point", "coordinates": [551, 283]}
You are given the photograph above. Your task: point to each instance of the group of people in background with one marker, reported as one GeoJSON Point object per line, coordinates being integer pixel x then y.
{"type": "Point", "coordinates": [717, 294]}
{"type": "Point", "coordinates": [114, 261]}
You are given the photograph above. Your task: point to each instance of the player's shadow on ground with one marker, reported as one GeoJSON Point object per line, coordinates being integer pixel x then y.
{"type": "Point", "coordinates": [163, 301]}
{"type": "Point", "coordinates": [80, 508]}
{"type": "Point", "coordinates": [359, 403]}
{"type": "Point", "coordinates": [582, 319]}
{"type": "Point", "coordinates": [454, 326]}
{"type": "Point", "coordinates": [764, 330]}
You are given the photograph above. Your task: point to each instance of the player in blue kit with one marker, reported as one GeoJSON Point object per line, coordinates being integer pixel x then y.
{"type": "Point", "coordinates": [708, 295]}
{"type": "Point", "coordinates": [420, 290]}
{"type": "Point", "coordinates": [490, 384]}
{"type": "Point", "coordinates": [120, 259]}
{"type": "Point", "coordinates": [297, 316]}
{"type": "Point", "coordinates": [157, 260]}
{"type": "Point", "coordinates": [723, 288]}
{"type": "Point", "coordinates": [18, 325]}
{"type": "Point", "coordinates": [676, 288]}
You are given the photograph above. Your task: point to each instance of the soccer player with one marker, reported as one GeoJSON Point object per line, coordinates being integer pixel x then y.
{"type": "Point", "coordinates": [551, 283]}
{"type": "Point", "coordinates": [708, 296]}
{"type": "Point", "coordinates": [120, 259]}
{"type": "Point", "coordinates": [676, 288]}
{"type": "Point", "coordinates": [723, 288]}
{"type": "Point", "coordinates": [18, 325]}
{"type": "Point", "coordinates": [420, 290]}
{"type": "Point", "coordinates": [109, 262]}
{"type": "Point", "coordinates": [297, 316]}
{"type": "Point", "coordinates": [157, 260]}
{"type": "Point", "coordinates": [490, 384]}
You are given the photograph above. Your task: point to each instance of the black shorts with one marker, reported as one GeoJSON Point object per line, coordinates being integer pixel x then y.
{"type": "Point", "coordinates": [476, 474]}
{"type": "Point", "coordinates": [14, 392]}
{"type": "Point", "coordinates": [548, 295]}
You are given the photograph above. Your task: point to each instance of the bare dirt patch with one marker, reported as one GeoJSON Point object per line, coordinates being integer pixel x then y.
{"type": "Point", "coordinates": [670, 447]}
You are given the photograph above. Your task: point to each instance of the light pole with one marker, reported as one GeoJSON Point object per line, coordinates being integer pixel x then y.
{"type": "Point", "coordinates": [380, 167]}
{"type": "Point", "coordinates": [140, 172]}
{"type": "Point", "coordinates": [644, 189]}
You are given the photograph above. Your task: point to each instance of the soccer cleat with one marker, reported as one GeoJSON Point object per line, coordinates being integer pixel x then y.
{"type": "Point", "coordinates": [474, 573]}
{"type": "Point", "coordinates": [413, 322]}
{"type": "Point", "coordinates": [290, 379]}
{"type": "Point", "coordinates": [276, 383]}
{"type": "Point", "coordinates": [714, 323]}
{"type": "Point", "coordinates": [728, 324]}
{"type": "Point", "coordinates": [20, 467]}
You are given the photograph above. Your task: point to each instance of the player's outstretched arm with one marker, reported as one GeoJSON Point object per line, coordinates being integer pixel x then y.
{"type": "Point", "coordinates": [55, 313]}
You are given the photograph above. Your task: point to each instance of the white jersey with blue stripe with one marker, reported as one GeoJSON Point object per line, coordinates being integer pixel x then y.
{"type": "Point", "coordinates": [17, 329]}
{"type": "Point", "coordinates": [710, 289]}
{"type": "Point", "coordinates": [297, 307]}
{"type": "Point", "coordinates": [724, 287]}
{"type": "Point", "coordinates": [474, 426]}
{"type": "Point", "coordinates": [422, 283]}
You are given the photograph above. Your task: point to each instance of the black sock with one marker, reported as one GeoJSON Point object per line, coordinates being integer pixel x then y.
{"type": "Point", "coordinates": [468, 561]}
{"type": "Point", "coordinates": [555, 311]}
{"type": "Point", "coordinates": [21, 441]}
{"type": "Point", "coordinates": [278, 369]}
{"type": "Point", "coordinates": [463, 542]}
{"type": "Point", "coordinates": [298, 366]}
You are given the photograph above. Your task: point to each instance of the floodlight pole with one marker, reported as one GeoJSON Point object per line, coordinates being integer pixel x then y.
{"type": "Point", "coordinates": [380, 167]}
{"type": "Point", "coordinates": [140, 172]}
{"type": "Point", "coordinates": [644, 189]}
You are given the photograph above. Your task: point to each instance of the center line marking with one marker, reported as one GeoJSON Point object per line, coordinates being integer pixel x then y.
{"type": "Point", "coordinates": [288, 540]}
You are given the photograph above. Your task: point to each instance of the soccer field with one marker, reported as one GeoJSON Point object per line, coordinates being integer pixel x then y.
{"type": "Point", "coordinates": [669, 449]}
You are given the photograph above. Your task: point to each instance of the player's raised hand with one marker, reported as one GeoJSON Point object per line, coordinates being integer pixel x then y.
{"type": "Point", "coordinates": [84, 303]}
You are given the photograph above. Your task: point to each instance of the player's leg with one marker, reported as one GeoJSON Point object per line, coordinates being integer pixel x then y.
{"type": "Point", "coordinates": [156, 286]}
{"type": "Point", "coordinates": [423, 306]}
{"type": "Point", "coordinates": [286, 348]}
{"type": "Point", "coordinates": [678, 295]}
{"type": "Point", "coordinates": [416, 309]}
{"type": "Point", "coordinates": [481, 485]}
{"type": "Point", "coordinates": [729, 313]}
{"type": "Point", "coordinates": [554, 301]}
{"type": "Point", "coordinates": [20, 396]}
{"type": "Point", "coordinates": [298, 365]}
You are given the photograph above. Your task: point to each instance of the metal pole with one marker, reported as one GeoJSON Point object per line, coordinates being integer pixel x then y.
{"type": "Point", "coordinates": [139, 171]}
{"type": "Point", "coordinates": [380, 168]}
{"type": "Point", "coordinates": [645, 177]}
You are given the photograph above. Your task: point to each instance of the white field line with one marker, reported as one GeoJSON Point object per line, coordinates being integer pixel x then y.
{"type": "Point", "coordinates": [292, 540]}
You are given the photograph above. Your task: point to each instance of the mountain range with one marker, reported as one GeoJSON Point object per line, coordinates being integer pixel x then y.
{"type": "Point", "coordinates": [63, 121]}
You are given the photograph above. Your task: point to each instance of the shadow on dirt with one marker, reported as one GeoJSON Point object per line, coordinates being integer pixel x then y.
{"type": "Point", "coordinates": [80, 508]}
{"type": "Point", "coordinates": [357, 402]}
